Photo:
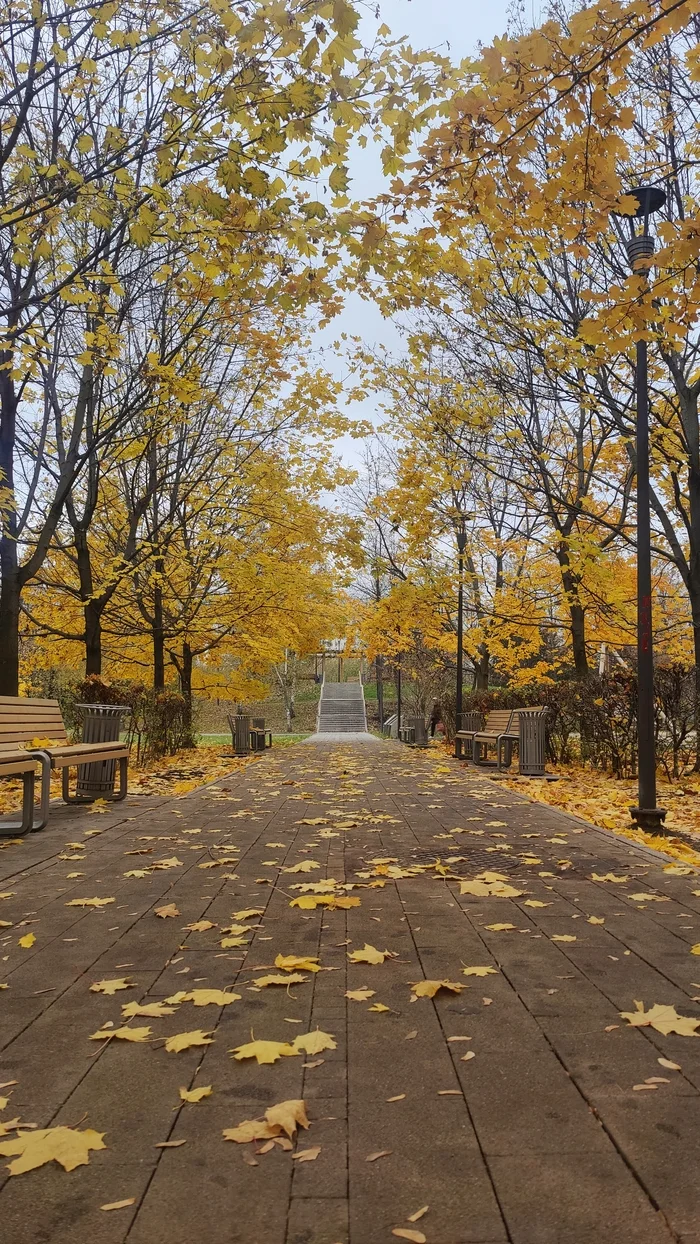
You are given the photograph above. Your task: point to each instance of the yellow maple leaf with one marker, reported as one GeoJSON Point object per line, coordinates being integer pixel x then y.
{"type": "Point", "coordinates": [121, 1034]}
{"type": "Point", "coordinates": [250, 1129]}
{"type": "Point", "coordinates": [306, 866]}
{"type": "Point", "coordinates": [165, 912]}
{"type": "Point", "coordinates": [360, 995]}
{"type": "Point", "coordinates": [368, 954]}
{"type": "Point", "coordinates": [287, 1116]}
{"type": "Point", "coordinates": [478, 971]}
{"type": "Point", "coordinates": [563, 937]}
{"type": "Point", "coordinates": [379, 1006]}
{"type": "Point", "coordinates": [608, 877]}
{"type": "Point", "coordinates": [184, 1040]}
{"type": "Point", "coordinates": [195, 1095]}
{"type": "Point", "coordinates": [489, 889]}
{"type": "Point", "coordinates": [64, 1145]}
{"type": "Point", "coordinates": [314, 1042]}
{"type": "Point", "coordinates": [663, 1018]}
{"type": "Point", "coordinates": [329, 901]}
{"type": "Point", "coordinates": [227, 942]}
{"type": "Point", "coordinates": [27, 941]}
{"type": "Point", "coordinates": [247, 912]}
{"type": "Point", "coordinates": [200, 926]}
{"type": "Point", "coordinates": [264, 1051]}
{"type": "Point", "coordinates": [499, 928]}
{"type": "Point", "coordinates": [89, 902]}
{"type": "Point", "coordinates": [290, 963]}
{"type": "Point", "coordinates": [112, 986]}
{"type": "Point", "coordinates": [428, 989]}
{"type": "Point", "coordinates": [210, 997]}
{"type": "Point", "coordinates": [295, 978]}
{"type": "Point", "coordinates": [153, 1010]}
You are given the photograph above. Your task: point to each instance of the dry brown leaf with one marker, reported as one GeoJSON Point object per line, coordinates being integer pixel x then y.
{"type": "Point", "coordinates": [666, 1062]}
{"type": "Point", "coordinates": [399, 1097]}
{"type": "Point", "coordinates": [404, 1233]}
{"type": "Point", "coordinates": [169, 1144]}
{"type": "Point", "coordinates": [381, 1153]}
{"type": "Point", "coordinates": [120, 1204]}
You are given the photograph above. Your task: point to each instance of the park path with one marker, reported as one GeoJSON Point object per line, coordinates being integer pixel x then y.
{"type": "Point", "coordinates": [540, 1138]}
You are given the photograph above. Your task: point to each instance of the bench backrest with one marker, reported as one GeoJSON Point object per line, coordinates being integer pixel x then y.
{"type": "Point", "coordinates": [497, 721]}
{"type": "Point", "coordinates": [22, 720]}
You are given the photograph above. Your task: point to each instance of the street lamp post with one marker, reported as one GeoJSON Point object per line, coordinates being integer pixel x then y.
{"type": "Point", "coordinates": [461, 545]}
{"type": "Point", "coordinates": [398, 696]}
{"type": "Point", "coordinates": [640, 251]}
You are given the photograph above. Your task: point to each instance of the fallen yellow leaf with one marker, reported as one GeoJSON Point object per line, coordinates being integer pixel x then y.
{"type": "Point", "coordinates": [663, 1018]}
{"type": "Point", "coordinates": [121, 1034]}
{"type": "Point", "coordinates": [290, 963]}
{"type": "Point", "coordinates": [428, 989]}
{"type": "Point", "coordinates": [111, 987]}
{"type": "Point", "coordinates": [89, 902]}
{"type": "Point", "coordinates": [264, 1051]}
{"type": "Point", "coordinates": [51, 1144]}
{"type": "Point", "coordinates": [120, 1204]}
{"type": "Point", "coordinates": [195, 1095]}
{"type": "Point", "coordinates": [27, 941]}
{"type": "Point", "coordinates": [368, 954]}
{"type": "Point", "coordinates": [314, 1042]}
{"type": "Point", "coordinates": [295, 978]}
{"type": "Point", "coordinates": [184, 1040]}
{"type": "Point", "coordinates": [478, 971]}
{"type": "Point", "coordinates": [164, 912]}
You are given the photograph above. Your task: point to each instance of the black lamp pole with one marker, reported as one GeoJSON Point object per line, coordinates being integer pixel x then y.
{"type": "Point", "coordinates": [461, 545]}
{"type": "Point", "coordinates": [398, 696]}
{"type": "Point", "coordinates": [640, 251]}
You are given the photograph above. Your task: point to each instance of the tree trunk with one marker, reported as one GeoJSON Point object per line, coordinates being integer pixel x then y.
{"type": "Point", "coordinates": [93, 637]}
{"type": "Point", "coordinates": [9, 570]}
{"type": "Point", "coordinates": [186, 690]}
{"type": "Point", "coordinates": [577, 616]}
{"type": "Point", "coordinates": [158, 630]}
{"type": "Point", "coordinates": [380, 690]}
{"type": "Point", "coordinates": [482, 669]}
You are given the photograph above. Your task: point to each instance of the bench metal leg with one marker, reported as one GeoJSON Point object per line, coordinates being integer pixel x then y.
{"type": "Point", "coordinates": [45, 761]}
{"type": "Point", "coordinates": [113, 797]}
{"type": "Point", "coordinates": [10, 829]}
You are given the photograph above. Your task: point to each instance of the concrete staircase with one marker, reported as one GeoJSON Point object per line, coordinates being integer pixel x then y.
{"type": "Point", "coordinates": [341, 709]}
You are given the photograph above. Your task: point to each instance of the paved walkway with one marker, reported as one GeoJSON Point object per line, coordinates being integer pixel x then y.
{"type": "Point", "coordinates": [563, 1128]}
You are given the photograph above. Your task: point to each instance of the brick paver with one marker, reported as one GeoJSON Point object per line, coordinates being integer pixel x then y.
{"type": "Point", "coordinates": [540, 1138]}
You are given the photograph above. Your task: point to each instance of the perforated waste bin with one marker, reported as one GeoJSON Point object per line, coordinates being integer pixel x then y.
{"type": "Point", "coordinates": [102, 723]}
{"type": "Point", "coordinates": [472, 720]}
{"type": "Point", "coordinates": [240, 733]}
{"type": "Point", "coordinates": [531, 747]}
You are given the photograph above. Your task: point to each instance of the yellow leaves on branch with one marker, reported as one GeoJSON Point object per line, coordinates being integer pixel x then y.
{"type": "Point", "coordinates": [663, 1018]}
{"type": "Point", "coordinates": [64, 1145]}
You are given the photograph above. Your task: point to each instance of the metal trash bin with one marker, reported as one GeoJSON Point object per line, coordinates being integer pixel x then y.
{"type": "Point", "coordinates": [240, 733]}
{"type": "Point", "coordinates": [102, 723]}
{"type": "Point", "coordinates": [531, 747]}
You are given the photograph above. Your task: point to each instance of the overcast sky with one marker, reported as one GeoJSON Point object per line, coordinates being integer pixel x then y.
{"type": "Point", "coordinates": [455, 27]}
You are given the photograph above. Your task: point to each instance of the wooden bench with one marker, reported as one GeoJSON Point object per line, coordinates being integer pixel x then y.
{"type": "Point", "coordinates": [38, 725]}
{"type": "Point", "coordinates": [497, 725]}
{"type": "Point", "coordinates": [502, 729]}
{"type": "Point", "coordinates": [15, 763]}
